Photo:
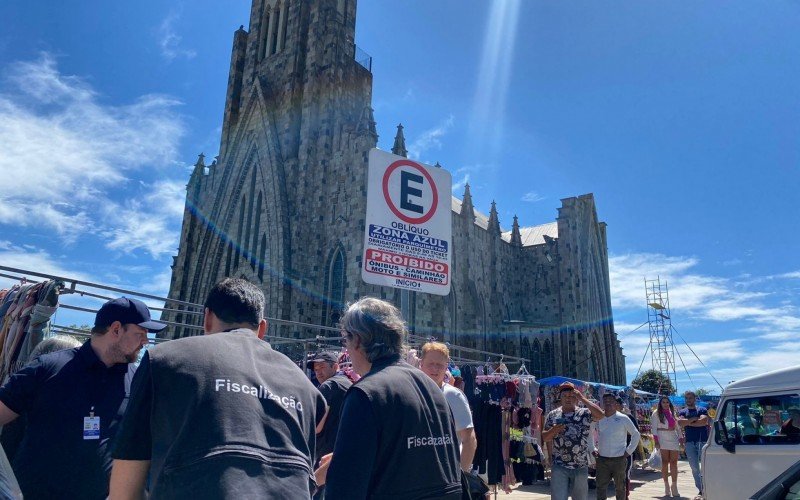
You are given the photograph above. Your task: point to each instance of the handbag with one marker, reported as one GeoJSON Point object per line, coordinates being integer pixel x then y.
{"type": "Point", "coordinates": [654, 461]}
{"type": "Point", "coordinates": [473, 487]}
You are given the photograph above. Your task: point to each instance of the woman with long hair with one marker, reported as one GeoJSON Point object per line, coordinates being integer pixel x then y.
{"type": "Point", "coordinates": [667, 434]}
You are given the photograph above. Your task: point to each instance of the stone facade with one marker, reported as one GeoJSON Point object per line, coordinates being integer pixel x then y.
{"type": "Point", "coordinates": [284, 206]}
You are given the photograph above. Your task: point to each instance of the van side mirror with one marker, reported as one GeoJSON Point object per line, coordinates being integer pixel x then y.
{"type": "Point", "coordinates": [728, 444]}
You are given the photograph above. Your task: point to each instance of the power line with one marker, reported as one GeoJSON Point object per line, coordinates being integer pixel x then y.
{"type": "Point", "coordinates": [698, 358]}
{"type": "Point", "coordinates": [678, 352]}
{"type": "Point", "coordinates": [609, 345]}
{"type": "Point", "coordinates": [642, 363]}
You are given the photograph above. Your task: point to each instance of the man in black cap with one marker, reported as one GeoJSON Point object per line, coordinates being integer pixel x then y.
{"type": "Point", "coordinates": [332, 385]}
{"type": "Point", "coordinates": [74, 400]}
{"type": "Point", "coordinates": [222, 415]}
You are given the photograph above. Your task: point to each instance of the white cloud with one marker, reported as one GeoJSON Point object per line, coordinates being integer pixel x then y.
{"type": "Point", "coordinates": [458, 186]}
{"type": "Point", "coordinates": [430, 139]}
{"type": "Point", "coordinates": [759, 325]}
{"type": "Point", "coordinates": [67, 156]}
{"type": "Point", "coordinates": [169, 41]}
{"type": "Point", "coordinates": [532, 197]}
{"type": "Point", "coordinates": [37, 260]}
{"type": "Point", "coordinates": [792, 275]}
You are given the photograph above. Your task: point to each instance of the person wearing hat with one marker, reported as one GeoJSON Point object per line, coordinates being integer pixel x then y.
{"type": "Point", "coordinates": [566, 430]}
{"type": "Point", "coordinates": [333, 385]}
{"type": "Point", "coordinates": [73, 400]}
{"type": "Point", "coordinates": [220, 415]}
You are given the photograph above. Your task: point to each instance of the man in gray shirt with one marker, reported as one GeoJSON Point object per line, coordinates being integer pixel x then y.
{"type": "Point", "coordinates": [434, 361]}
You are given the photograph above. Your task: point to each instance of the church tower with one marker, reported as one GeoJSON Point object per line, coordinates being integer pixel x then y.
{"type": "Point", "coordinates": [280, 205]}
{"type": "Point", "coordinates": [283, 205]}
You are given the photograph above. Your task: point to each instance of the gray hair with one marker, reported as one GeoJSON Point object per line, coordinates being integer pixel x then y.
{"type": "Point", "coordinates": [53, 344]}
{"type": "Point", "coordinates": [379, 326]}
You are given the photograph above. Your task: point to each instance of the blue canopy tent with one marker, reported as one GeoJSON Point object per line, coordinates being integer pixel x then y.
{"type": "Point", "coordinates": [679, 401]}
{"type": "Point", "coordinates": [556, 380]}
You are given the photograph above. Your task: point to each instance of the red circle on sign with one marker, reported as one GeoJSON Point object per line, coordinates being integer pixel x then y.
{"type": "Point", "coordinates": [411, 220]}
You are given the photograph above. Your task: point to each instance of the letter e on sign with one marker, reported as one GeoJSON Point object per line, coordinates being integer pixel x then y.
{"type": "Point", "coordinates": [410, 192]}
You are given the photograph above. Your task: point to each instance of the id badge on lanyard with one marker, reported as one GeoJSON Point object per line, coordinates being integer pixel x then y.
{"type": "Point", "coordinates": [91, 426]}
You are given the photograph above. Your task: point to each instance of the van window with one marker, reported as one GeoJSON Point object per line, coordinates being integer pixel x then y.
{"type": "Point", "coordinates": [762, 420]}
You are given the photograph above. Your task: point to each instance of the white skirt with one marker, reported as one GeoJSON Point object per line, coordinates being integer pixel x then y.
{"type": "Point", "coordinates": [668, 439]}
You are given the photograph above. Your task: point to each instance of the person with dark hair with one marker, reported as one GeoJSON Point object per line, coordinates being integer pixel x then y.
{"type": "Point", "coordinates": [333, 386]}
{"type": "Point", "coordinates": [221, 415]}
{"type": "Point", "coordinates": [73, 400]}
{"type": "Point", "coordinates": [566, 430]}
{"type": "Point", "coordinates": [617, 440]}
{"type": "Point", "coordinates": [668, 438]}
{"type": "Point", "coordinates": [397, 438]}
{"type": "Point", "coordinates": [14, 432]}
{"type": "Point", "coordinates": [620, 403]}
{"type": "Point", "coordinates": [694, 421]}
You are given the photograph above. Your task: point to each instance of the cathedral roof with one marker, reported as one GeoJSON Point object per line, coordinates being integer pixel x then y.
{"type": "Point", "coordinates": [534, 235]}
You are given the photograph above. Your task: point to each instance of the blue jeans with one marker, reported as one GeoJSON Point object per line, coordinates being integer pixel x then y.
{"type": "Point", "coordinates": [569, 482]}
{"type": "Point", "coordinates": [693, 449]}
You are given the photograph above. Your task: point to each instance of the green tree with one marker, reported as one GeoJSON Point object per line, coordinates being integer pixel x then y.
{"type": "Point", "coordinates": [654, 381]}
{"type": "Point", "coordinates": [702, 392]}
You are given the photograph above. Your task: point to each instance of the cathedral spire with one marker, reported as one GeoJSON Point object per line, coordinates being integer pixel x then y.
{"type": "Point", "coordinates": [516, 237]}
{"type": "Point", "coordinates": [467, 208]}
{"type": "Point", "coordinates": [399, 147]}
{"type": "Point", "coordinates": [494, 222]}
{"type": "Point", "coordinates": [200, 166]}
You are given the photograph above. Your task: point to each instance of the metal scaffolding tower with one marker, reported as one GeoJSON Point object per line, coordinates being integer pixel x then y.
{"type": "Point", "coordinates": [662, 348]}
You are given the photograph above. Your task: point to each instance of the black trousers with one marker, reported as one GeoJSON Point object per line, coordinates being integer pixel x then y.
{"type": "Point", "coordinates": [611, 467]}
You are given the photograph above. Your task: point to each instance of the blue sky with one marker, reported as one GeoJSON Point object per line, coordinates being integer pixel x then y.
{"type": "Point", "coordinates": [682, 118]}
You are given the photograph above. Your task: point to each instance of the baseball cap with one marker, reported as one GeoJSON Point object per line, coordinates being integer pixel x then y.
{"type": "Point", "coordinates": [325, 356]}
{"type": "Point", "coordinates": [126, 311]}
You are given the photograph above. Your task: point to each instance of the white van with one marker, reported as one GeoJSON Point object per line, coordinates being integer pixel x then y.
{"type": "Point", "coordinates": [747, 449]}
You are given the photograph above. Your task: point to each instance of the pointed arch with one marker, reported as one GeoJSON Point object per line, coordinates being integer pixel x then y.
{"type": "Point", "coordinates": [263, 32]}
{"type": "Point", "coordinates": [536, 359]}
{"type": "Point", "coordinates": [334, 287]}
{"type": "Point", "coordinates": [284, 20]}
{"type": "Point", "coordinates": [245, 242]}
{"type": "Point", "coordinates": [262, 261]}
{"type": "Point", "coordinates": [273, 30]}
{"type": "Point", "coordinates": [256, 228]}
{"type": "Point", "coordinates": [547, 359]}
{"type": "Point", "coordinates": [525, 350]}
{"type": "Point", "coordinates": [238, 240]}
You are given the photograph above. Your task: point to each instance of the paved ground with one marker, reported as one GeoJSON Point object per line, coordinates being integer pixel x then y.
{"type": "Point", "coordinates": [645, 484]}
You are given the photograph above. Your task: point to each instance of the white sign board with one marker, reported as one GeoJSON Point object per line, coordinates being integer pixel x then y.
{"type": "Point", "coordinates": [408, 233]}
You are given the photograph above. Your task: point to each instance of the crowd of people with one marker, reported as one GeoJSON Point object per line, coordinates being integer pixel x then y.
{"type": "Point", "coordinates": [224, 415]}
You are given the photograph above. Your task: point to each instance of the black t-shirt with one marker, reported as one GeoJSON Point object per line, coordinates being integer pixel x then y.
{"type": "Point", "coordinates": [56, 392]}
{"type": "Point", "coordinates": [396, 440]}
{"type": "Point", "coordinates": [333, 390]}
{"type": "Point", "coordinates": [222, 416]}
{"type": "Point", "coordinates": [694, 434]}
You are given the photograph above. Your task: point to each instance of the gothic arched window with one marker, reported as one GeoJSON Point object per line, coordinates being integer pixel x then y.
{"type": "Point", "coordinates": [547, 359]}
{"type": "Point", "coordinates": [262, 261]}
{"type": "Point", "coordinates": [264, 32]}
{"type": "Point", "coordinates": [273, 30]}
{"type": "Point", "coordinates": [536, 359]}
{"type": "Point", "coordinates": [238, 240]}
{"type": "Point", "coordinates": [256, 226]}
{"type": "Point", "coordinates": [334, 292]}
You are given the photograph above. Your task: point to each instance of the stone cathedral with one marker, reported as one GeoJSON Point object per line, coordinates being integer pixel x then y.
{"type": "Point", "coordinates": [284, 203]}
